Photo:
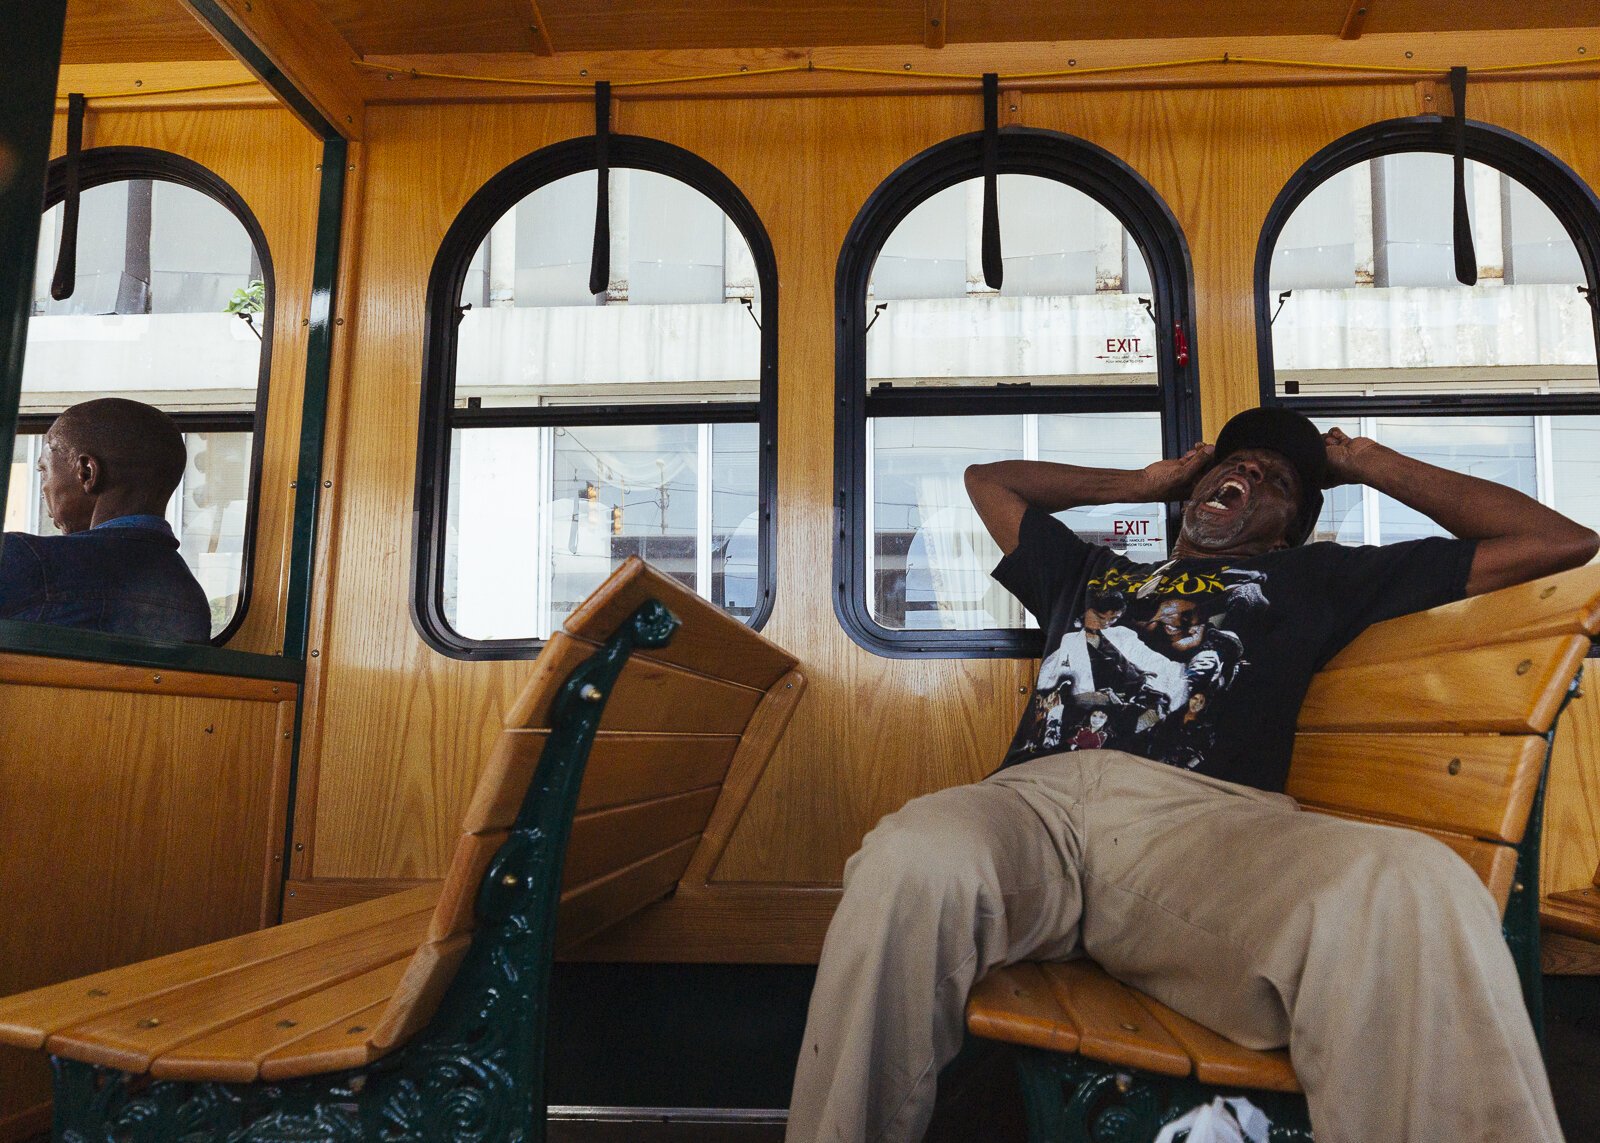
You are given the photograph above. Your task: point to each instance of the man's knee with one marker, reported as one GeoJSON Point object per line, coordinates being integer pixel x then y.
{"type": "Point", "coordinates": [935, 844]}
{"type": "Point", "coordinates": [1402, 878]}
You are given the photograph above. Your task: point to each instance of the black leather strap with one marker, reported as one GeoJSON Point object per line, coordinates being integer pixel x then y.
{"type": "Point", "coordinates": [600, 260]}
{"type": "Point", "coordinates": [65, 279]}
{"type": "Point", "coordinates": [993, 265]}
{"type": "Point", "coordinates": [1466, 252]}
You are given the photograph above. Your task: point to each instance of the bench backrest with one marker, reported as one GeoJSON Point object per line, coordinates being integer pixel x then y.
{"type": "Point", "coordinates": [1438, 720]}
{"type": "Point", "coordinates": [675, 722]}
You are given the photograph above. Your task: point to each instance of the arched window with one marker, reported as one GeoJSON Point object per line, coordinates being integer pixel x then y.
{"type": "Point", "coordinates": [564, 430]}
{"type": "Point", "coordinates": [1361, 321]}
{"type": "Point", "coordinates": [171, 305]}
{"type": "Point", "coordinates": [1081, 356]}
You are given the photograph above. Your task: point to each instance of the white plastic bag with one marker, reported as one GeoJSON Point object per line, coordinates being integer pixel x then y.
{"type": "Point", "coordinates": [1233, 1120]}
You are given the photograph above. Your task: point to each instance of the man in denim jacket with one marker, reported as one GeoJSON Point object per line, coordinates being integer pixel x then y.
{"type": "Point", "coordinates": [109, 467]}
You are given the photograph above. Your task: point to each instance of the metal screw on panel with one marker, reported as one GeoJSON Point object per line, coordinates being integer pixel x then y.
{"type": "Point", "coordinates": [1408, 55]}
{"type": "Point", "coordinates": [1124, 1082]}
{"type": "Point", "coordinates": [1548, 592]}
{"type": "Point", "coordinates": [1517, 887]}
{"type": "Point", "coordinates": [1022, 690]}
{"type": "Point", "coordinates": [1525, 666]}
{"type": "Point", "coordinates": [299, 846]}
{"type": "Point", "coordinates": [155, 678]}
{"type": "Point", "coordinates": [934, 22]}
{"type": "Point", "coordinates": [286, 1023]}
{"type": "Point", "coordinates": [356, 1030]}
{"type": "Point", "coordinates": [149, 1022]}
{"type": "Point", "coordinates": [583, 71]}
{"type": "Point", "coordinates": [315, 653]}
{"type": "Point", "coordinates": [1455, 766]}
{"type": "Point", "coordinates": [590, 693]}
{"type": "Point", "coordinates": [509, 880]}
{"type": "Point", "coordinates": [140, 82]}
{"type": "Point", "coordinates": [327, 484]}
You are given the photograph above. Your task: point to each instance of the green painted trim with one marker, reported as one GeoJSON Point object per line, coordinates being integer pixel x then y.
{"type": "Point", "coordinates": [222, 24]}
{"type": "Point", "coordinates": [95, 646]}
{"type": "Point", "coordinates": [30, 57]}
{"type": "Point", "coordinates": [314, 402]}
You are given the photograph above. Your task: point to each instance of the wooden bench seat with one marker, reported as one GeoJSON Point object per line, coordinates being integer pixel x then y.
{"type": "Point", "coordinates": [604, 785]}
{"type": "Point", "coordinates": [1440, 721]}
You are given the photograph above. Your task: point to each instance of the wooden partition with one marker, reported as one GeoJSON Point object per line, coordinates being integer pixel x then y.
{"type": "Point", "coordinates": [396, 731]}
{"type": "Point", "coordinates": [142, 811]}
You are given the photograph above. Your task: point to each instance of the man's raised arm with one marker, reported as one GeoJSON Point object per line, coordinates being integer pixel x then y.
{"type": "Point", "coordinates": [1518, 538]}
{"type": "Point", "coordinates": [1004, 490]}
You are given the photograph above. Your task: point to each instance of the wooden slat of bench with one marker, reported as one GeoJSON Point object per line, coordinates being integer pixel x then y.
{"type": "Point", "coordinates": [1016, 1004]}
{"type": "Point", "coordinates": [588, 909]}
{"type": "Point", "coordinates": [1495, 864]}
{"type": "Point", "coordinates": [131, 1037]}
{"type": "Point", "coordinates": [1424, 695]}
{"type": "Point", "coordinates": [1217, 1059]}
{"type": "Point", "coordinates": [340, 1045]}
{"type": "Point", "coordinates": [560, 655]}
{"type": "Point", "coordinates": [427, 978]}
{"type": "Point", "coordinates": [1558, 604]}
{"type": "Point", "coordinates": [1476, 784]}
{"type": "Point", "coordinates": [29, 1018]}
{"type": "Point", "coordinates": [659, 697]}
{"type": "Point", "coordinates": [459, 895]}
{"type": "Point", "coordinates": [1112, 1025]}
{"type": "Point", "coordinates": [624, 766]}
{"type": "Point", "coordinates": [710, 641]}
{"type": "Point", "coordinates": [234, 1054]}
{"type": "Point", "coordinates": [604, 841]}
{"type": "Point", "coordinates": [1576, 913]}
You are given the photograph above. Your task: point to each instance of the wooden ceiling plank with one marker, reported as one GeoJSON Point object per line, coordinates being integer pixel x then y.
{"type": "Point", "coordinates": [303, 44]}
{"type": "Point", "coordinates": [542, 46]}
{"type": "Point", "coordinates": [934, 23]}
{"type": "Point", "coordinates": [898, 70]}
{"type": "Point", "coordinates": [116, 31]}
{"type": "Point", "coordinates": [1355, 19]}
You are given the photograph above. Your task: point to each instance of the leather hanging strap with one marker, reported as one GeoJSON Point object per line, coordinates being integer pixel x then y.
{"type": "Point", "coordinates": [993, 265]}
{"type": "Point", "coordinates": [65, 279]}
{"type": "Point", "coordinates": [1466, 252]}
{"type": "Point", "coordinates": [600, 260]}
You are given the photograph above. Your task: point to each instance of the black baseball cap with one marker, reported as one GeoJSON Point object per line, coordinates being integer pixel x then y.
{"type": "Point", "coordinates": [1292, 435]}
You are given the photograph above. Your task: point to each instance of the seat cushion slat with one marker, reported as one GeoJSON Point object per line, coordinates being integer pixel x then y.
{"type": "Point", "coordinates": [1481, 785]}
{"type": "Point", "coordinates": [588, 909]}
{"type": "Point", "coordinates": [459, 895]}
{"type": "Point", "coordinates": [1217, 1059]}
{"type": "Point", "coordinates": [607, 840]}
{"type": "Point", "coordinates": [1424, 695]}
{"type": "Point", "coordinates": [710, 641]}
{"type": "Point", "coordinates": [130, 1038]}
{"type": "Point", "coordinates": [28, 1018]}
{"type": "Point", "coordinates": [416, 997]}
{"type": "Point", "coordinates": [344, 1044]}
{"type": "Point", "coordinates": [1495, 864]}
{"type": "Point", "coordinates": [1112, 1025]}
{"type": "Point", "coordinates": [234, 1054]}
{"type": "Point", "coordinates": [1553, 605]}
{"type": "Point", "coordinates": [624, 766]}
{"type": "Point", "coordinates": [1016, 1005]}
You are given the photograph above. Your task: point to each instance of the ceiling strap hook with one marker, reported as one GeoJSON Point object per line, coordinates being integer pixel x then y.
{"type": "Point", "coordinates": [600, 260]}
{"type": "Point", "coordinates": [993, 264]}
{"type": "Point", "coordinates": [1466, 252]}
{"type": "Point", "coordinates": [65, 279]}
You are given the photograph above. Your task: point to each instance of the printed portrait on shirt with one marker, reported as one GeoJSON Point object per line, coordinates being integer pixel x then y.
{"type": "Point", "coordinates": [1141, 668]}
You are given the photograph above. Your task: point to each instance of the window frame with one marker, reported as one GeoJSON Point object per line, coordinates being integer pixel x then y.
{"type": "Point", "coordinates": [1539, 171]}
{"type": "Point", "coordinates": [99, 166]}
{"type": "Point", "coordinates": [438, 415]}
{"type": "Point", "coordinates": [1118, 188]}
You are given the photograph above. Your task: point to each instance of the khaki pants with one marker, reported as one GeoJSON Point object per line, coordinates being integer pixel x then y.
{"type": "Point", "coordinates": [1374, 953]}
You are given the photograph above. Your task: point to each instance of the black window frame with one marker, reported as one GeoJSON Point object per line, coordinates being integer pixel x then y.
{"type": "Point", "coordinates": [1118, 188]}
{"type": "Point", "coordinates": [1572, 201]}
{"type": "Point", "coordinates": [439, 416]}
{"type": "Point", "coordinates": [99, 166]}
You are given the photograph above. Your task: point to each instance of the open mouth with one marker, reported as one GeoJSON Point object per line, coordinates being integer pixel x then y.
{"type": "Point", "coordinates": [1230, 494]}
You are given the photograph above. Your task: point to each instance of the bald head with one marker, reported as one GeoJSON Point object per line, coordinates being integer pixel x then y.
{"type": "Point", "coordinates": [108, 458]}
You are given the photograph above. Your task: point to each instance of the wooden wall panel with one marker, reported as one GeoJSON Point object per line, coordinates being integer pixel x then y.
{"type": "Point", "coordinates": [135, 824]}
{"type": "Point", "coordinates": [272, 162]}
{"type": "Point", "coordinates": [402, 729]}
{"type": "Point", "coordinates": [1571, 851]}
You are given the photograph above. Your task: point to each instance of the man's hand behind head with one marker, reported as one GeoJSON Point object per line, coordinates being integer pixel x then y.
{"type": "Point", "coordinates": [1345, 457]}
{"type": "Point", "coordinates": [1174, 479]}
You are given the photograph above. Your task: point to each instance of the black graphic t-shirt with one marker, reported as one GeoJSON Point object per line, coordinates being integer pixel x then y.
{"type": "Point", "coordinates": [1201, 663]}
